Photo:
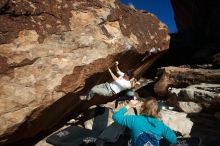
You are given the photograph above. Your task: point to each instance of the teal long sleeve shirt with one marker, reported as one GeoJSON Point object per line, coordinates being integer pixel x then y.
{"type": "Point", "coordinates": [139, 124]}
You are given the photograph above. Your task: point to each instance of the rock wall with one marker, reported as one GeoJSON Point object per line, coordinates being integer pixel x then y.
{"type": "Point", "coordinates": [53, 51]}
{"type": "Point", "coordinates": [197, 38]}
{"type": "Point", "coordinates": [200, 17]}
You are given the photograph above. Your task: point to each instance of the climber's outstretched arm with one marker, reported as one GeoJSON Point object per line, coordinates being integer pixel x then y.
{"type": "Point", "coordinates": [119, 72]}
{"type": "Point", "coordinates": [113, 75]}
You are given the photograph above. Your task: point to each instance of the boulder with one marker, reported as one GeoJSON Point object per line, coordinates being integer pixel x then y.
{"type": "Point", "coordinates": [183, 76]}
{"type": "Point", "coordinates": [200, 18]}
{"type": "Point", "coordinates": [177, 121]}
{"type": "Point", "coordinates": [201, 93]}
{"type": "Point", "coordinates": [197, 37]}
{"type": "Point", "coordinates": [51, 52]}
{"type": "Point", "coordinates": [201, 125]}
{"type": "Point", "coordinates": [190, 107]}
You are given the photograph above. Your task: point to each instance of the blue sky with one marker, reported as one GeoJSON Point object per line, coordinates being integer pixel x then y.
{"type": "Point", "coordinates": [161, 8]}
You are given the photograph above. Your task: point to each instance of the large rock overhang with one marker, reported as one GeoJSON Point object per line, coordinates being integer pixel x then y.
{"type": "Point", "coordinates": [53, 51]}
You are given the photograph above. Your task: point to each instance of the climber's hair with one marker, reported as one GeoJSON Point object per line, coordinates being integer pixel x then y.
{"type": "Point", "coordinates": [150, 108]}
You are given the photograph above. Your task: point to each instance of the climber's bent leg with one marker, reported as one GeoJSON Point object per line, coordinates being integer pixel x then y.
{"type": "Point", "coordinates": [101, 89]}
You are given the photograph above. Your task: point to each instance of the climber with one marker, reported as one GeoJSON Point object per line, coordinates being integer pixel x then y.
{"type": "Point", "coordinates": [146, 128]}
{"type": "Point", "coordinates": [122, 83]}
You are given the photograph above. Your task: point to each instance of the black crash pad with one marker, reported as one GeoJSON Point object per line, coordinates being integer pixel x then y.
{"type": "Point", "coordinates": [70, 136]}
{"type": "Point", "coordinates": [192, 141]}
{"type": "Point", "coordinates": [74, 135]}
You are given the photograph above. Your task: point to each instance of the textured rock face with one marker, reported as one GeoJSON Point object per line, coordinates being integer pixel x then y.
{"type": "Point", "coordinates": [199, 92]}
{"type": "Point", "coordinates": [198, 38]}
{"type": "Point", "coordinates": [177, 121]}
{"type": "Point", "coordinates": [53, 51]}
{"type": "Point", "coordinates": [190, 107]}
{"type": "Point", "coordinates": [184, 76]}
{"type": "Point", "coordinates": [204, 96]}
{"type": "Point", "coordinates": [200, 17]}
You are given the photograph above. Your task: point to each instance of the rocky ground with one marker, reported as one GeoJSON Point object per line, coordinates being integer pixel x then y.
{"type": "Point", "coordinates": [187, 119]}
{"type": "Point", "coordinates": [51, 52]}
